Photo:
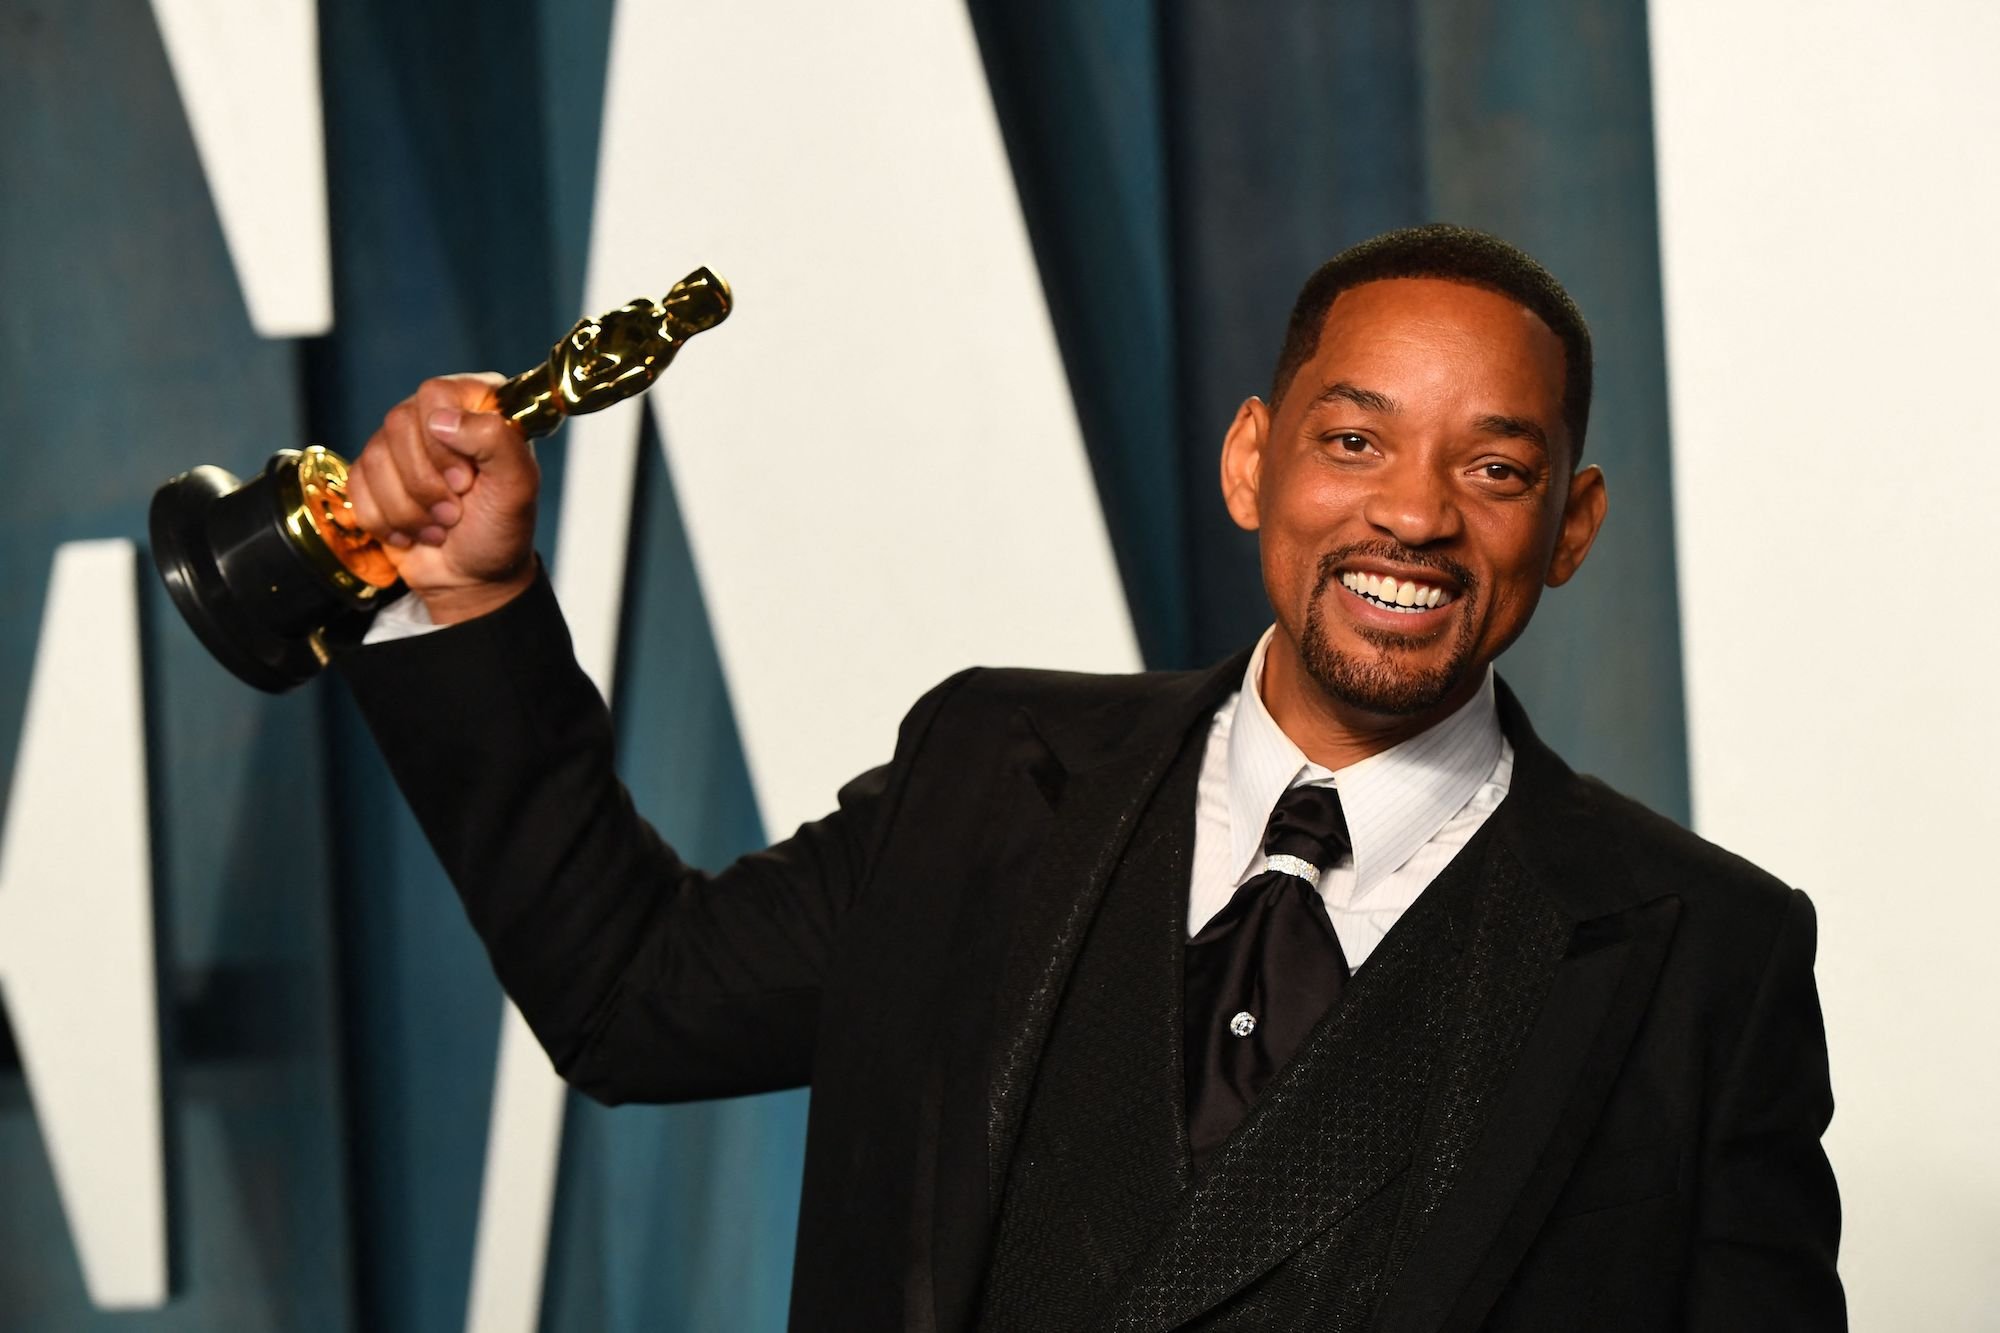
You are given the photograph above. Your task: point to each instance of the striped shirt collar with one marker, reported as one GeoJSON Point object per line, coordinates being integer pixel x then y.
{"type": "Point", "coordinates": [1395, 801]}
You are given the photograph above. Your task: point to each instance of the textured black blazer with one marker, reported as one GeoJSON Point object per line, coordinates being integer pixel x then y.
{"type": "Point", "coordinates": [1648, 1150]}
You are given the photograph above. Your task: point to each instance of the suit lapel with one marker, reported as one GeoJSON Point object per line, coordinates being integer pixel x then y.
{"type": "Point", "coordinates": [1079, 782]}
{"type": "Point", "coordinates": [1458, 1264]}
{"type": "Point", "coordinates": [1458, 1259]}
{"type": "Point", "coordinates": [1102, 1152]}
{"type": "Point", "coordinates": [1098, 772]}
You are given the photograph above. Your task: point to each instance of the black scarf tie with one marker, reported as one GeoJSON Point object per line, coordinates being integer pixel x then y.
{"type": "Point", "coordinates": [1264, 971]}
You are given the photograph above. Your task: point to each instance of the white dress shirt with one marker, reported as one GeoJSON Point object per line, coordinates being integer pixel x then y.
{"type": "Point", "coordinates": [404, 618]}
{"type": "Point", "coordinates": [1409, 809]}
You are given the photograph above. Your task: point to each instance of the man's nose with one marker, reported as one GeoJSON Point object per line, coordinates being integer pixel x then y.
{"type": "Point", "coordinates": [1415, 504]}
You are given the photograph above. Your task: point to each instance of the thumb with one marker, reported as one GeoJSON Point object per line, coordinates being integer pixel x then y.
{"type": "Point", "coordinates": [488, 440]}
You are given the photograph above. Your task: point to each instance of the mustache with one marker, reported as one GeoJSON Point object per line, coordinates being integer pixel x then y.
{"type": "Point", "coordinates": [1394, 553]}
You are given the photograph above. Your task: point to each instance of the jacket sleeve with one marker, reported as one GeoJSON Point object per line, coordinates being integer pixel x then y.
{"type": "Point", "coordinates": [644, 978]}
{"type": "Point", "coordinates": [1768, 1228]}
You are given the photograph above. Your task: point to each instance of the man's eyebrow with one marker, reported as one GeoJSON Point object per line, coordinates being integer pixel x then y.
{"type": "Point", "coordinates": [1518, 428]}
{"type": "Point", "coordinates": [1366, 399]}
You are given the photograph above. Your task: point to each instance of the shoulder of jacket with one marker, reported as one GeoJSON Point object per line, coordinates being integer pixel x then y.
{"type": "Point", "coordinates": [1055, 693]}
{"type": "Point", "coordinates": [1081, 715]}
{"type": "Point", "coordinates": [1664, 857]}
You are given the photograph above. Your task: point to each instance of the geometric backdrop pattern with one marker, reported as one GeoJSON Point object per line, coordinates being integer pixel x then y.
{"type": "Point", "coordinates": [329, 1023]}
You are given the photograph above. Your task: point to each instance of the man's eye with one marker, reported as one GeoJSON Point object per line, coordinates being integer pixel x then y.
{"type": "Point", "coordinates": [1506, 477]}
{"type": "Point", "coordinates": [1349, 442]}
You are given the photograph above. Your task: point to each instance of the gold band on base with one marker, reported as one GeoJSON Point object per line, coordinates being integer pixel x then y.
{"type": "Point", "coordinates": [319, 519]}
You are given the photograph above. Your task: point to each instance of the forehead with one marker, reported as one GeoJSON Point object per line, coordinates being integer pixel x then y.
{"type": "Point", "coordinates": [1442, 338]}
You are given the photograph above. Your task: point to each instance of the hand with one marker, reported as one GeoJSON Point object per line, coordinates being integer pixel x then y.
{"type": "Point", "coordinates": [449, 487]}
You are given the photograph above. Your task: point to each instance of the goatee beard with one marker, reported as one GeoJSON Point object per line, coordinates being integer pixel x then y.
{"type": "Point", "coordinates": [1384, 683]}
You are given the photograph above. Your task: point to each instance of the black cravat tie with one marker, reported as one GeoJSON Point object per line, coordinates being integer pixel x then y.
{"type": "Point", "coordinates": [1262, 973]}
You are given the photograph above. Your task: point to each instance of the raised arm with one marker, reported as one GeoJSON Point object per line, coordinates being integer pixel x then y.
{"type": "Point", "coordinates": [645, 978]}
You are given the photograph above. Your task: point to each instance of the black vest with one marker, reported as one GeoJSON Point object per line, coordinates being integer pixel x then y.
{"type": "Point", "coordinates": [1102, 1224]}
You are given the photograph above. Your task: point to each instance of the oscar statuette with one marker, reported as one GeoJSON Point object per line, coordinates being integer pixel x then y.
{"type": "Point", "coordinates": [261, 569]}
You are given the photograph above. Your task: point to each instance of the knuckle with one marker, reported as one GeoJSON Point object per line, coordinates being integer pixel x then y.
{"type": "Point", "coordinates": [367, 508]}
{"type": "Point", "coordinates": [412, 453]}
{"type": "Point", "coordinates": [447, 391]}
{"type": "Point", "coordinates": [386, 492]}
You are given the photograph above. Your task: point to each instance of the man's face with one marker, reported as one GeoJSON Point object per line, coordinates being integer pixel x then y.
{"type": "Point", "coordinates": [1412, 493]}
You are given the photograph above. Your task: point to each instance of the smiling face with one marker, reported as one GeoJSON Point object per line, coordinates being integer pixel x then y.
{"type": "Point", "coordinates": [1412, 494]}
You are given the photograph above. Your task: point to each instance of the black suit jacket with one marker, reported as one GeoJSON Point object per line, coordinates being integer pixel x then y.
{"type": "Point", "coordinates": [1647, 1153]}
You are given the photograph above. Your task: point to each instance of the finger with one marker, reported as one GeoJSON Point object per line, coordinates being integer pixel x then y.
{"type": "Point", "coordinates": [411, 448]}
{"type": "Point", "coordinates": [454, 394]}
{"type": "Point", "coordinates": [367, 512]}
{"type": "Point", "coordinates": [396, 509]}
{"type": "Point", "coordinates": [493, 445]}
{"type": "Point", "coordinates": [468, 393]}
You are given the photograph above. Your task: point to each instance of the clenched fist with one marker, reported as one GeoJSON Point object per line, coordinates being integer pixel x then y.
{"type": "Point", "coordinates": [449, 487]}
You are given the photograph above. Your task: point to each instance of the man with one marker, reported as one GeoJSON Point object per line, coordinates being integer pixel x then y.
{"type": "Point", "coordinates": [1310, 991]}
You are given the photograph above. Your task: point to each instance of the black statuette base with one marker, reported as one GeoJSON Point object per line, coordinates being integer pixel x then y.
{"type": "Point", "coordinates": [222, 550]}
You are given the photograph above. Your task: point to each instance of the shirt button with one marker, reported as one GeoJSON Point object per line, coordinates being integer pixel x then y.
{"type": "Point", "coordinates": [1244, 1023]}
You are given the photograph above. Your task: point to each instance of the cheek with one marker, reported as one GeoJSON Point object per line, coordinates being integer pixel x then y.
{"type": "Point", "coordinates": [1293, 518]}
{"type": "Point", "coordinates": [1288, 568]}
{"type": "Point", "coordinates": [1518, 546]}
{"type": "Point", "coordinates": [1290, 563]}
{"type": "Point", "coordinates": [1307, 506]}
{"type": "Point", "coordinates": [1508, 610]}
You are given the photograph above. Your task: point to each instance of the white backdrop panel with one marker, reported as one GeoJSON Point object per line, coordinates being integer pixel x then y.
{"type": "Point", "coordinates": [1830, 190]}
{"type": "Point", "coordinates": [76, 924]}
{"type": "Point", "coordinates": [248, 75]}
{"type": "Point", "coordinates": [876, 457]}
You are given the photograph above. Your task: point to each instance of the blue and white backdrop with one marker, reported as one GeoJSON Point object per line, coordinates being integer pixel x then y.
{"type": "Point", "coordinates": [1004, 271]}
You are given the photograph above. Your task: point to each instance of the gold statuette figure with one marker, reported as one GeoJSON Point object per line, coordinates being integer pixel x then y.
{"type": "Point", "coordinates": [260, 569]}
{"type": "Point", "coordinates": [608, 359]}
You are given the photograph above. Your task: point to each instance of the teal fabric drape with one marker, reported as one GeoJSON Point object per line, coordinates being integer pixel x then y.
{"type": "Point", "coordinates": [333, 1023]}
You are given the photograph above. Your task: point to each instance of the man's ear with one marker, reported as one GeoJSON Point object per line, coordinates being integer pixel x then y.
{"type": "Point", "coordinates": [1583, 515]}
{"type": "Point", "coordinates": [1243, 461]}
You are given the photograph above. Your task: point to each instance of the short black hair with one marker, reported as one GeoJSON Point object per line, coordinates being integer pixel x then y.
{"type": "Point", "coordinates": [1456, 254]}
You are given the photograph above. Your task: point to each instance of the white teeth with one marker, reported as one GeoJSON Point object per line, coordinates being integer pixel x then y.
{"type": "Point", "coordinates": [1406, 594]}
